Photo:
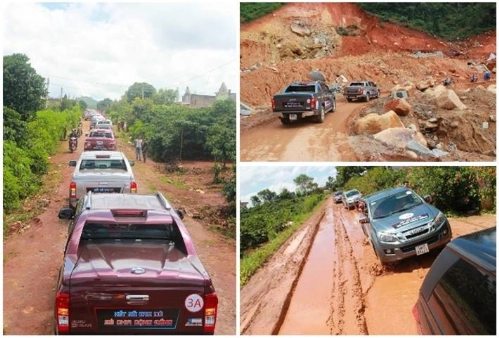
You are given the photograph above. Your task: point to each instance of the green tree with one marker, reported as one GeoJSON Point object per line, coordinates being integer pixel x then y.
{"type": "Point", "coordinates": [305, 184]}
{"type": "Point", "coordinates": [345, 173]}
{"type": "Point", "coordinates": [104, 104]}
{"type": "Point", "coordinates": [14, 128]}
{"type": "Point", "coordinates": [23, 89]}
{"type": "Point", "coordinates": [142, 90]}
{"type": "Point", "coordinates": [165, 96]}
{"type": "Point", "coordinates": [267, 195]}
{"type": "Point", "coordinates": [255, 201]}
{"type": "Point", "coordinates": [83, 104]}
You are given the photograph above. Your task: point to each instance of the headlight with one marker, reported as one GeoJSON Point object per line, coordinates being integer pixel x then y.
{"type": "Point", "coordinates": [385, 237]}
{"type": "Point", "coordinates": [437, 221]}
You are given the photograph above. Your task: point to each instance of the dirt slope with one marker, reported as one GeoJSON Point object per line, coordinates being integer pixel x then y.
{"type": "Point", "coordinates": [300, 37]}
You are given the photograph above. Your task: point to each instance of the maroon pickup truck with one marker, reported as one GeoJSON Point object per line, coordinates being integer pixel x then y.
{"type": "Point", "coordinates": [100, 139]}
{"type": "Point", "coordinates": [130, 267]}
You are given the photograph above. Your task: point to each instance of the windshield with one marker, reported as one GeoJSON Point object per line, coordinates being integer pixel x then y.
{"type": "Point", "coordinates": [352, 193]}
{"type": "Point", "coordinates": [394, 204]}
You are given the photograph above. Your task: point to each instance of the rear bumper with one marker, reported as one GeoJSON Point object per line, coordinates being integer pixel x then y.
{"type": "Point", "coordinates": [299, 114]}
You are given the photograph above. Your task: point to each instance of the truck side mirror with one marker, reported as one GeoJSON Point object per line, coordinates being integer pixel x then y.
{"type": "Point", "coordinates": [427, 198]}
{"type": "Point", "coordinates": [72, 163]}
{"type": "Point", "coordinates": [65, 213]}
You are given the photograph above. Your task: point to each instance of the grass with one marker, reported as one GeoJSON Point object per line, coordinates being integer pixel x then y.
{"type": "Point", "coordinates": [176, 183]}
{"type": "Point", "coordinates": [251, 262]}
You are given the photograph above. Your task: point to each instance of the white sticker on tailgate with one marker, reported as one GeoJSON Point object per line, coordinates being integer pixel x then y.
{"type": "Point", "coordinates": [194, 303]}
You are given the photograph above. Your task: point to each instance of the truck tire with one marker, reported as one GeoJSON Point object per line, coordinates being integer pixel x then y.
{"type": "Point", "coordinates": [367, 97]}
{"type": "Point", "coordinates": [333, 106]}
{"type": "Point", "coordinates": [349, 99]}
{"type": "Point", "coordinates": [321, 116]}
{"type": "Point", "coordinates": [285, 120]}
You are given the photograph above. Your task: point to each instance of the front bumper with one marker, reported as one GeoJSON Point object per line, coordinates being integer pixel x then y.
{"type": "Point", "coordinates": [389, 253]}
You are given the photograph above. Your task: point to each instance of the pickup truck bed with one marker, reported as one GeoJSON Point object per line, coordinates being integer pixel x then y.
{"type": "Point", "coordinates": [304, 99]}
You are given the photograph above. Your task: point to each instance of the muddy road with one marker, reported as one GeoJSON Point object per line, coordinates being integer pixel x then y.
{"type": "Point", "coordinates": [33, 252]}
{"type": "Point", "coordinates": [303, 140]}
{"type": "Point", "coordinates": [342, 288]}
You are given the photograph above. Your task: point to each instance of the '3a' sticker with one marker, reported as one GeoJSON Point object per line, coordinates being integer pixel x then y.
{"type": "Point", "coordinates": [194, 303]}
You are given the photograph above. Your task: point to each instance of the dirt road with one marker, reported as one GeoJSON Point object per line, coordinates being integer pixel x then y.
{"type": "Point", "coordinates": [302, 141]}
{"type": "Point", "coordinates": [32, 255]}
{"type": "Point", "coordinates": [342, 288]}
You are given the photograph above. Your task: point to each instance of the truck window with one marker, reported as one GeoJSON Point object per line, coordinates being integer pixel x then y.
{"type": "Point", "coordinates": [136, 232]}
{"type": "Point", "coordinates": [465, 299]}
{"type": "Point", "coordinates": [304, 88]}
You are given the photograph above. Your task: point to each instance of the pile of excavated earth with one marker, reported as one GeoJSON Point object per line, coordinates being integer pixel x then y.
{"type": "Point", "coordinates": [416, 117]}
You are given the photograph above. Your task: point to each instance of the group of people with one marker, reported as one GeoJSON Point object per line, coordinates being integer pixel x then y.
{"type": "Point", "coordinates": [486, 77]}
{"type": "Point", "coordinates": [140, 149]}
{"type": "Point", "coordinates": [474, 78]}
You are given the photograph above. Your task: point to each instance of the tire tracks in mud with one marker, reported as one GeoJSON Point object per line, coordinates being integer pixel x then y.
{"type": "Point", "coordinates": [347, 300]}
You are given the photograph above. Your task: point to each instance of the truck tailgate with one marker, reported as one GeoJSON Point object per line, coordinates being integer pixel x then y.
{"type": "Point", "coordinates": [155, 290]}
{"type": "Point", "coordinates": [294, 102]}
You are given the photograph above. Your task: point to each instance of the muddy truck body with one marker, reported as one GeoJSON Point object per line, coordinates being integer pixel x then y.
{"type": "Point", "coordinates": [303, 99]}
{"type": "Point", "coordinates": [361, 90]}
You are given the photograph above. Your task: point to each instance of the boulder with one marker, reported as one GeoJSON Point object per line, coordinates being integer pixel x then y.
{"type": "Point", "coordinates": [374, 123]}
{"type": "Point", "coordinates": [419, 149]}
{"type": "Point", "coordinates": [300, 28]}
{"type": "Point", "coordinates": [423, 85]}
{"type": "Point", "coordinates": [449, 100]}
{"type": "Point", "coordinates": [399, 137]}
{"type": "Point", "coordinates": [492, 89]}
{"type": "Point", "coordinates": [433, 93]}
{"type": "Point", "coordinates": [399, 106]}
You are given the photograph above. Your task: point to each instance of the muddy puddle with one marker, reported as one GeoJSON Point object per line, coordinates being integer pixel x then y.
{"type": "Point", "coordinates": [307, 313]}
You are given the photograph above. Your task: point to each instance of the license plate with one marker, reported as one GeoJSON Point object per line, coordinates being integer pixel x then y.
{"type": "Point", "coordinates": [100, 143]}
{"type": "Point", "coordinates": [103, 190]}
{"type": "Point", "coordinates": [422, 249]}
{"type": "Point", "coordinates": [292, 117]}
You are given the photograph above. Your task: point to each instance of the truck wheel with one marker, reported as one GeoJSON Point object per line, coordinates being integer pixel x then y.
{"type": "Point", "coordinates": [321, 116]}
{"type": "Point", "coordinates": [349, 99]}
{"type": "Point", "coordinates": [285, 120]}
{"type": "Point", "coordinates": [333, 107]}
{"type": "Point", "coordinates": [367, 97]}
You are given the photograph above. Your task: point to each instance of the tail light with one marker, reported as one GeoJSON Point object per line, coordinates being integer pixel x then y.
{"type": "Point", "coordinates": [133, 187]}
{"type": "Point", "coordinates": [210, 312]}
{"type": "Point", "coordinates": [312, 102]}
{"type": "Point", "coordinates": [273, 103]}
{"type": "Point", "coordinates": [72, 190]}
{"type": "Point", "coordinates": [62, 312]}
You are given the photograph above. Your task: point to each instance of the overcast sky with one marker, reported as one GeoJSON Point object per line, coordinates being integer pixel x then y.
{"type": "Point", "coordinates": [101, 49]}
{"type": "Point", "coordinates": [254, 178]}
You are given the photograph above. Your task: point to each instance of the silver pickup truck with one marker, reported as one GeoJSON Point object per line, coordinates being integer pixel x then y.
{"type": "Point", "coordinates": [101, 172]}
{"type": "Point", "coordinates": [364, 90]}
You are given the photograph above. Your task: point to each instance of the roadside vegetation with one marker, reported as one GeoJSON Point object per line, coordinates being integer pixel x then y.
{"type": "Point", "coordinates": [273, 217]}
{"type": "Point", "coordinates": [253, 10]}
{"type": "Point", "coordinates": [447, 20]}
{"type": "Point", "coordinates": [34, 129]}
{"type": "Point", "coordinates": [31, 133]}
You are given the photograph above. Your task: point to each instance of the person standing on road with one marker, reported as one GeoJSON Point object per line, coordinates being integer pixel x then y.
{"type": "Point", "coordinates": [138, 148]}
{"type": "Point", "coordinates": [144, 148]}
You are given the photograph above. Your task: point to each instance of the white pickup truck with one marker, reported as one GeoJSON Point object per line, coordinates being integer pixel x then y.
{"type": "Point", "coordinates": [101, 172]}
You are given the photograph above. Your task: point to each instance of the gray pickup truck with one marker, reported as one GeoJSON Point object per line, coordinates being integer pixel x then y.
{"type": "Point", "coordinates": [302, 99]}
{"type": "Point", "coordinates": [101, 172]}
{"type": "Point", "coordinates": [364, 90]}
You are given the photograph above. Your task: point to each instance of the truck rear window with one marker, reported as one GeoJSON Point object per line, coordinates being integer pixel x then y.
{"type": "Point", "coordinates": [96, 231]}
{"type": "Point", "coordinates": [101, 134]}
{"type": "Point", "coordinates": [304, 88]}
{"type": "Point", "coordinates": [103, 164]}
